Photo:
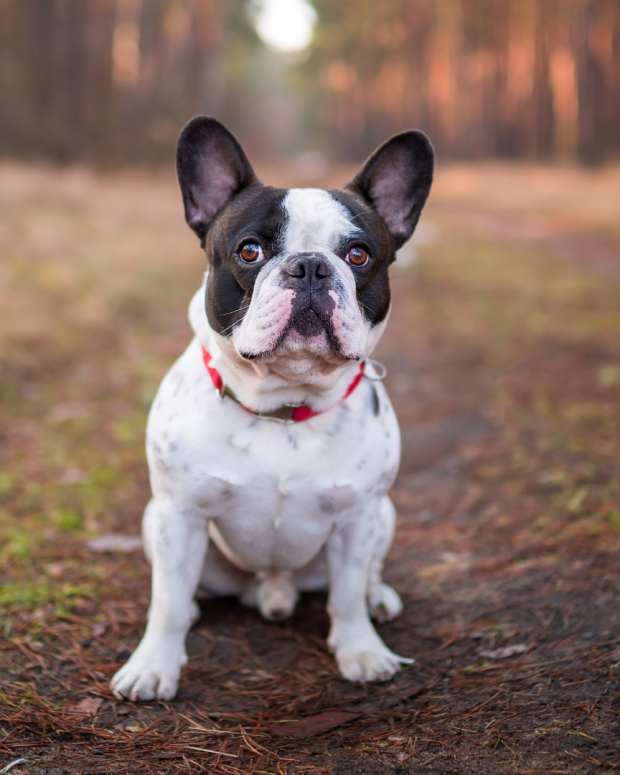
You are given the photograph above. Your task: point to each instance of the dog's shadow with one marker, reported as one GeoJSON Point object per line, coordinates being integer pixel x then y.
{"type": "Point", "coordinates": [227, 619]}
{"type": "Point", "coordinates": [239, 661]}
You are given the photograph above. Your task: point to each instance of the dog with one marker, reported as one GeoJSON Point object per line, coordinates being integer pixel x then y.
{"type": "Point", "coordinates": [272, 443]}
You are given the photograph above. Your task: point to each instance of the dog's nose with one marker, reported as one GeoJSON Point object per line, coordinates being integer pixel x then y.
{"type": "Point", "coordinates": [307, 269]}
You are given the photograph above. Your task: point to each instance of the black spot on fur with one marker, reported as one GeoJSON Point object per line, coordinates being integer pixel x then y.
{"type": "Point", "coordinates": [374, 401]}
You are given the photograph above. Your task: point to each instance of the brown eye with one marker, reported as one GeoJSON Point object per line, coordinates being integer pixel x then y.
{"type": "Point", "coordinates": [357, 256]}
{"type": "Point", "coordinates": [250, 252]}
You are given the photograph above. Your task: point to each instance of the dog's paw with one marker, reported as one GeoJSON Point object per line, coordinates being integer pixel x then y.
{"type": "Point", "coordinates": [366, 658]}
{"type": "Point", "coordinates": [384, 603]}
{"type": "Point", "coordinates": [151, 673]}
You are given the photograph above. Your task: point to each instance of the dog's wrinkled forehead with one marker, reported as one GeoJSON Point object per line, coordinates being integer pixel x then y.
{"type": "Point", "coordinates": [315, 220]}
{"type": "Point", "coordinates": [292, 221]}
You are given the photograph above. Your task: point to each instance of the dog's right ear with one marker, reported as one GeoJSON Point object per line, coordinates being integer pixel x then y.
{"type": "Point", "coordinates": [212, 169]}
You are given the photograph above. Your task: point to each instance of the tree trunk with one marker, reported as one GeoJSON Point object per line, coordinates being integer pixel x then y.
{"type": "Point", "coordinates": [590, 90]}
{"type": "Point", "coordinates": [543, 118]}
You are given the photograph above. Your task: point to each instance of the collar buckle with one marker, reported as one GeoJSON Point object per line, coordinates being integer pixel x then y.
{"type": "Point", "coordinates": [285, 414]}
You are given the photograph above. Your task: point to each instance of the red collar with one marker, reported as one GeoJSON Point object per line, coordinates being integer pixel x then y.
{"type": "Point", "coordinates": [286, 413]}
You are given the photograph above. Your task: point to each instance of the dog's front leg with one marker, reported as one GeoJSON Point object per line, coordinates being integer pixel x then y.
{"type": "Point", "coordinates": [176, 544]}
{"type": "Point", "coordinates": [360, 653]}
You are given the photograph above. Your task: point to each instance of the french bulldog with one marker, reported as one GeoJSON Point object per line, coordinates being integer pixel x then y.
{"type": "Point", "coordinates": [272, 443]}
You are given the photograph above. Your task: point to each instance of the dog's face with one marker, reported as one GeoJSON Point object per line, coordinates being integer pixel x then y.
{"type": "Point", "coordinates": [299, 270]}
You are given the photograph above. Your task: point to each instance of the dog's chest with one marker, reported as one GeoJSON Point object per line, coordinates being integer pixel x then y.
{"type": "Point", "coordinates": [280, 510]}
{"type": "Point", "coordinates": [274, 491]}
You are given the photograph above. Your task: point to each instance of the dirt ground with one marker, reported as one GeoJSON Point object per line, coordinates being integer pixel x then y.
{"type": "Point", "coordinates": [503, 355]}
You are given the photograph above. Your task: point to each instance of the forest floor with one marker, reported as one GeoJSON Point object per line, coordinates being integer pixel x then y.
{"type": "Point", "coordinates": [503, 355]}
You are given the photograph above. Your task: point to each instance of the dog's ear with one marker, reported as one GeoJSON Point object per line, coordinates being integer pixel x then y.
{"type": "Point", "coordinates": [395, 181]}
{"type": "Point", "coordinates": [212, 169]}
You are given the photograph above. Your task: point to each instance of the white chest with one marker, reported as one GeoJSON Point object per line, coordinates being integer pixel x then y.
{"type": "Point", "coordinates": [275, 491]}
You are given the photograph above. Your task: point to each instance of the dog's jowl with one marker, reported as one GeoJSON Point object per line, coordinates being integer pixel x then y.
{"type": "Point", "coordinates": [272, 443]}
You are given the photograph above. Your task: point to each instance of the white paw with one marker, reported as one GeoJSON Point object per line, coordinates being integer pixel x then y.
{"type": "Point", "coordinates": [384, 603]}
{"type": "Point", "coordinates": [151, 673]}
{"type": "Point", "coordinates": [366, 658]}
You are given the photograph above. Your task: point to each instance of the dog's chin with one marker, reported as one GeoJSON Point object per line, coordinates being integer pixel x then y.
{"type": "Point", "coordinates": [308, 344]}
{"type": "Point", "coordinates": [294, 345]}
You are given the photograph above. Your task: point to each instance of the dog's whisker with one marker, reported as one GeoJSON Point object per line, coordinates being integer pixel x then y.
{"type": "Point", "coordinates": [242, 308]}
{"type": "Point", "coordinates": [229, 328]}
{"type": "Point", "coordinates": [367, 308]}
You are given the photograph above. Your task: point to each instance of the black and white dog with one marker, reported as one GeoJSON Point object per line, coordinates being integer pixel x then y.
{"type": "Point", "coordinates": [272, 443]}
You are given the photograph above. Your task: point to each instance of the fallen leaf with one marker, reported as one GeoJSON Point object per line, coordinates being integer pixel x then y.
{"type": "Point", "coordinates": [507, 651]}
{"type": "Point", "coordinates": [115, 542]}
{"type": "Point", "coordinates": [85, 708]}
{"type": "Point", "coordinates": [309, 726]}
{"type": "Point", "coordinates": [313, 725]}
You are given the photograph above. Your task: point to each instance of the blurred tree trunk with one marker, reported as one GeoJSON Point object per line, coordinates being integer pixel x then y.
{"type": "Point", "coordinates": [72, 26]}
{"type": "Point", "coordinates": [542, 94]}
{"type": "Point", "coordinates": [504, 134]}
{"type": "Point", "coordinates": [100, 96]}
{"type": "Point", "coordinates": [613, 121]}
{"type": "Point", "coordinates": [151, 41]}
{"type": "Point", "coordinates": [41, 18]}
{"type": "Point", "coordinates": [417, 55]}
{"type": "Point", "coordinates": [590, 89]}
{"type": "Point", "coordinates": [196, 57]}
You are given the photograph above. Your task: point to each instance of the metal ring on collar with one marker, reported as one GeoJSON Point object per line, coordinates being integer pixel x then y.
{"type": "Point", "coordinates": [379, 371]}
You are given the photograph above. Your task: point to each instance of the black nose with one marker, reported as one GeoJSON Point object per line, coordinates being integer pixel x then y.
{"type": "Point", "coordinates": [307, 270]}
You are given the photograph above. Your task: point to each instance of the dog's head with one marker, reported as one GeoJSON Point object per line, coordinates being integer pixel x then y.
{"type": "Point", "coordinates": [299, 270]}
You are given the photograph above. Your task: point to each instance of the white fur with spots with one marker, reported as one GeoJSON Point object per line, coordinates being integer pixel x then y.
{"type": "Point", "coordinates": [263, 510]}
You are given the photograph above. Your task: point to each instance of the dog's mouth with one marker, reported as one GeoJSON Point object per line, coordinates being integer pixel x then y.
{"type": "Point", "coordinates": [308, 332]}
{"type": "Point", "coordinates": [308, 322]}
{"type": "Point", "coordinates": [311, 329]}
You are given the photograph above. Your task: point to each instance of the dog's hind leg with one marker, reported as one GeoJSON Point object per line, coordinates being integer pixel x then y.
{"type": "Point", "coordinates": [384, 601]}
{"type": "Point", "coordinates": [313, 577]}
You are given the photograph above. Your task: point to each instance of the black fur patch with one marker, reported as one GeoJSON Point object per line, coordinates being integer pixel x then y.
{"type": "Point", "coordinates": [373, 287]}
{"type": "Point", "coordinates": [256, 213]}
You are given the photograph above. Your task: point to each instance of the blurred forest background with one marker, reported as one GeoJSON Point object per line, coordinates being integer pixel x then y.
{"type": "Point", "coordinates": [502, 354]}
{"type": "Point", "coordinates": [111, 81]}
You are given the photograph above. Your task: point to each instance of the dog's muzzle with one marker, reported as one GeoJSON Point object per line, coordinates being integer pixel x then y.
{"type": "Point", "coordinates": [311, 276]}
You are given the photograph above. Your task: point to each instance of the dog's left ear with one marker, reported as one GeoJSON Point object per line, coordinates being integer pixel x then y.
{"type": "Point", "coordinates": [212, 169]}
{"type": "Point", "coordinates": [395, 181]}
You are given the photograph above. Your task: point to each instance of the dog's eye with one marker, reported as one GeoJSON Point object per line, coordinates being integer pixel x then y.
{"type": "Point", "coordinates": [357, 256]}
{"type": "Point", "coordinates": [250, 252]}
